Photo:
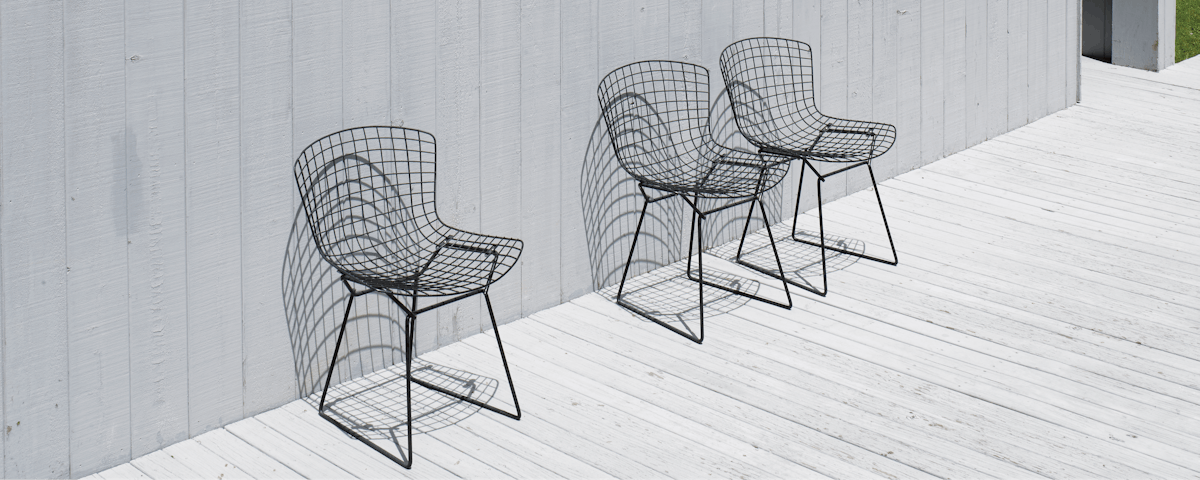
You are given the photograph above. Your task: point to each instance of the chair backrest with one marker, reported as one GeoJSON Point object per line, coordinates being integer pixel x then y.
{"type": "Point", "coordinates": [368, 194]}
{"type": "Point", "coordinates": [657, 118]}
{"type": "Point", "coordinates": [771, 90]}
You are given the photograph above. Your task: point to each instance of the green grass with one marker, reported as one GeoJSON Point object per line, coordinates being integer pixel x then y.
{"type": "Point", "coordinates": [1187, 29]}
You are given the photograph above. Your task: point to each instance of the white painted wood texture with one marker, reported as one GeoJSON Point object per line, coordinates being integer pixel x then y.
{"type": "Point", "coordinates": [1011, 341]}
{"type": "Point", "coordinates": [97, 213]}
{"type": "Point", "coordinates": [181, 294]}
{"type": "Point", "coordinates": [33, 230]}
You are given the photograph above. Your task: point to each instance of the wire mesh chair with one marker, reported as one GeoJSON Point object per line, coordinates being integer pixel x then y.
{"type": "Point", "coordinates": [771, 89]}
{"type": "Point", "coordinates": [657, 118]}
{"type": "Point", "coordinates": [368, 195]}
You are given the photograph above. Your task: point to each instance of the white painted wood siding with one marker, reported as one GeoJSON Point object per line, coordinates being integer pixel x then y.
{"type": "Point", "coordinates": [155, 280]}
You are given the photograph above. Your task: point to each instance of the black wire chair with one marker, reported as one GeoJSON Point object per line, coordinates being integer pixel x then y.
{"type": "Point", "coordinates": [771, 89]}
{"type": "Point", "coordinates": [368, 194]}
{"type": "Point", "coordinates": [657, 118]}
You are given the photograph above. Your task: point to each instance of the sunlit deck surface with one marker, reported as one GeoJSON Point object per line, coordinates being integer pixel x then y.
{"type": "Point", "coordinates": [1044, 320]}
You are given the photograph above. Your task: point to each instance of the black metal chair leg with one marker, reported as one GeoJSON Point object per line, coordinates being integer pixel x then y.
{"type": "Point", "coordinates": [636, 233]}
{"type": "Point", "coordinates": [778, 263]}
{"type": "Point", "coordinates": [408, 381]}
{"type": "Point", "coordinates": [895, 258]}
{"type": "Point", "coordinates": [336, 347]}
{"type": "Point", "coordinates": [746, 264]}
{"type": "Point", "coordinates": [821, 225]}
{"type": "Point", "coordinates": [406, 463]}
{"type": "Point", "coordinates": [821, 219]}
{"type": "Point", "coordinates": [799, 191]}
{"type": "Point", "coordinates": [892, 244]}
{"type": "Point", "coordinates": [647, 315]}
{"type": "Point", "coordinates": [507, 374]}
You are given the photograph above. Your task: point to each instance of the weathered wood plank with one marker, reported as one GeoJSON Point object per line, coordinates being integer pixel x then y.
{"type": "Point", "coordinates": [268, 193]}
{"type": "Point", "coordinates": [213, 208]}
{"type": "Point", "coordinates": [3, 304]}
{"type": "Point", "coordinates": [33, 231]}
{"type": "Point", "coordinates": [577, 97]}
{"type": "Point", "coordinates": [657, 426]}
{"type": "Point", "coordinates": [885, 94]}
{"type": "Point", "coordinates": [997, 67]}
{"type": "Point", "coordinates": [883, 437]}
{"type": "Point", "coordinates": [908, 121]}
{"type": "Point", "coordinates": [298, 420]}
{"type": "Point", "coordinates": [288, 451]}
{"type": "Point", "coordinates": [851, 336]}
{"type": "Point", "coordinates": [666, 389]}
{"type": "Point", "coordinates": [160, 464]}
{"type": "Point", "coordinates": [1049, 263]}
{"type": "Point", "coordinates": [123, 471]}
{"type": "Point", "coordinates": [457, 129]}
{"type": "Point", "coordinates": [366, 63]}
{"type": "Point", "coordinates": [860, 70]}
{"type": "Point", "coordinates": [1081, 325]}
{"type": "Point", "coordinates": [1044, 232]}
{"type": "Point", "coordinates": [1018, 63]}
{"type": "Point", "coordinates": [1057, 54]}
{"type": "Point", "coordinates": [204, 462]}
{"type": "Point", "coordinates": [96, 229]}
{"type": "Point", "coordinates": [157, 250]}
{"type": "Point", "coordinates": [976, 79]}
{"type": "Point", "coordinates": [934, 90]}
{"type": "Point", "coordinates": [414, 94]}
{"type": "Point", "coordinates": [1038, 47]}
{"type": "Point", "coordinates": [686, 42]}
{"type": "Point", "coordinates": [247, 458]}
{"type": "Point", "coordinates": [648, 17]}
{"type": "Point", "coordinates": [1164, 241]}
{"type": "Point", "coordinates": [1074, 44]}
{"type": "Point", "coordinates": [664, 416]}
{"type": "Point", "coordinates": [955, 66]}
{"type": "Point", "coordinates": [833, 87]}
{"type": "Point", "coordinates": [541, 51]}
{"type": "Point", "coordinates": [1038, 446]}
{"type": "Point", "coordinates": [501, 127]}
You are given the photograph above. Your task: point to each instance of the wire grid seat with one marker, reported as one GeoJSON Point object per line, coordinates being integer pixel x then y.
{"type": "Point", "coordinates": [368, 197]}
{"type": "Point", "coordinates": [773, 95]}
{"type": "Point", "coordinates": [657, 113]}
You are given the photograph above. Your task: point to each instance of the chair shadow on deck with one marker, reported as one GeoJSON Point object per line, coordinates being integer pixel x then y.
{"type": "Point", "coordinates": [368, 389]}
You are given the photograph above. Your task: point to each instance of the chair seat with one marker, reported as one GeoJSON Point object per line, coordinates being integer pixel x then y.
{"type": "Point", "coordinates": [839, 140]}
{"type": "Point", "coordinates": [461, 262]}
{"type": "Point", "coordinates": [732, 174]}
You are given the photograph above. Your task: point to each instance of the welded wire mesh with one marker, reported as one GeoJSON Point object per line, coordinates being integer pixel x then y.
{"type": "Point", "coordinates": [770, 85]}
{"type": "Point", "coordinates": [368, 195]}
{"type": "Point", "coordinates": [657, 117]}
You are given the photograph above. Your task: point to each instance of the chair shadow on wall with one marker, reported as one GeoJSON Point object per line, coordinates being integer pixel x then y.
{"type": "Point", "coordinates": [368, 388]}
{"type": "Point", "coordinates": [611, 203]}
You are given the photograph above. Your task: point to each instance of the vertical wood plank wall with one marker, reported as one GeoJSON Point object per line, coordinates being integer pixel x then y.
{"type": "Point", "coordinates": [154, 279]}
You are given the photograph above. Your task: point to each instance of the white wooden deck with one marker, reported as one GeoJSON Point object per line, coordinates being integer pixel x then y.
{"type": "Point", "coordinates": [1044, 321]}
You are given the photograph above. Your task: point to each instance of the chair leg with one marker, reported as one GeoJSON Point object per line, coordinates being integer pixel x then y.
{"type": "Point", "coordinates": [895, 258]}
{"type": "Point", "coordinates": [336, 348]}
{"type": "Point", "coordinates": [778, 263]}
{"type": "Point", "coordinates": [637, 232]}
{"type": "Point", "coordinates": [824, 246]}
{"type": "Point", "coordinates": [738, 260]}
{"type": "Point", "coordinates": [507, 374]}
{"type": "Point", "coordinates": [411, 321]}
{"type": "Point", "coordinates": [406, 463]}
{"type": "Point", "coordinates": [647, 315]}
